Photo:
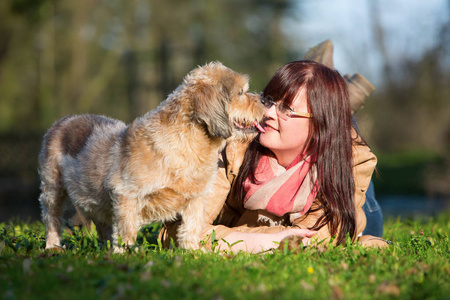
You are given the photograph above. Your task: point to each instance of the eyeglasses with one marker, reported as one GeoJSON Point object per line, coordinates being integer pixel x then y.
{"type": "Point", "coordinates": [283, 112]}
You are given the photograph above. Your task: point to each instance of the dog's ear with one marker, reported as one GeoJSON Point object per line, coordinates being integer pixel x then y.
{"type": "Point", "coordinates": [210, 109]}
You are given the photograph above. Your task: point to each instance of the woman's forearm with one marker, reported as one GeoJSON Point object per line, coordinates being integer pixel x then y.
{"type": "Point", "coordinates": [259, 242]}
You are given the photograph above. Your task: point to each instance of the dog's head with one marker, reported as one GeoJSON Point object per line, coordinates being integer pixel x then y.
{"type": "Point", "coordinates": [222, 103]}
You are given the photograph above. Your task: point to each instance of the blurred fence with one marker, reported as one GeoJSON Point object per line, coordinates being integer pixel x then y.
{"type": "Point", "coordinates": [19, 179]}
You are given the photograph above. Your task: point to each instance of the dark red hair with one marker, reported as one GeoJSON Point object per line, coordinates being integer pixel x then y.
{"type": "Point", "coordinates": [329, 141]}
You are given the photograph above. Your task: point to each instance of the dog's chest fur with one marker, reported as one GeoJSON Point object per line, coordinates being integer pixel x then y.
{"type": "Point", "coordinates": [159, 159]}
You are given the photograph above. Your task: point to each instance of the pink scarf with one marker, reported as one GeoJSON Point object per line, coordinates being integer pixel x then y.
{"type": "Point", "coordinates": [279, 190]}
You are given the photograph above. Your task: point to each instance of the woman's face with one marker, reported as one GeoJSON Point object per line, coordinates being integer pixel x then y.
{"type": "Point", "coordinates": [286, 138]}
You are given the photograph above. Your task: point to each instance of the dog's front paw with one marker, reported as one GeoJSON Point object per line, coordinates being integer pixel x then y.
{"type": "Point", "coordinates": [54, 249]}
{"type": "Point", "coordinates": [119, 250]}
{"type": "Point", "coordinates": [189, 245]}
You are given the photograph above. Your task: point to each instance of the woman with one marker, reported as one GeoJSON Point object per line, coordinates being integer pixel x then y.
{"type": "Point", "coordinates": [305, 175]}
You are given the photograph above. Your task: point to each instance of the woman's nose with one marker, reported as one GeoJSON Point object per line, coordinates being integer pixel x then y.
{"type": "Point", "coordinates": [271, 112]}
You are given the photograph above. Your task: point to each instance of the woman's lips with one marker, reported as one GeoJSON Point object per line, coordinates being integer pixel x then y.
{"type": "Point", "coordinates": [268, 127]}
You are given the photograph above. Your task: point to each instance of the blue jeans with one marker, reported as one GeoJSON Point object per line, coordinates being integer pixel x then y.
{"type": "Point", "coordinates": [373, 213]}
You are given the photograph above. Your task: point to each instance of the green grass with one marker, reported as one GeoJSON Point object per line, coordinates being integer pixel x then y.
{"type": "Point", "coordinates": [416, 266]}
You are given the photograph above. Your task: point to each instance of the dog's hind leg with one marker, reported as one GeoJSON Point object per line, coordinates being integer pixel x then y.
{"type": "Point", "coordinates": [52, 200]}
{"type": "Point", "coordinates": [53, 193]}
{"type": "Point", "coordinates": [104, 231]}
{"type": "Point", "coordinates": [192, 224]}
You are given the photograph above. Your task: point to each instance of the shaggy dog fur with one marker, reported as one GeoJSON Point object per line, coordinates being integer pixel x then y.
{"type": "Point", "coordinates": [162, 164]}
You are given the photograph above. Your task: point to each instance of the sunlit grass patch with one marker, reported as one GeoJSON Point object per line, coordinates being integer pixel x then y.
{"type": "Point", "coordinates": [416, 266]}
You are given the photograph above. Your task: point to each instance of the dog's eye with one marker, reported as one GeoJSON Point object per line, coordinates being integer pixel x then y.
{"type": "Point", "coordinates": [240, 93]}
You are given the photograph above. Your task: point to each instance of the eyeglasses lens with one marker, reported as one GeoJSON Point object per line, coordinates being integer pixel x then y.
{"type": "Point", "coordinates": [281, 111]}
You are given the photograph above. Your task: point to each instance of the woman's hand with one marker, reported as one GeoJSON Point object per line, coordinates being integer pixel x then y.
{"type": "Point", "coordinates": [259, 242]}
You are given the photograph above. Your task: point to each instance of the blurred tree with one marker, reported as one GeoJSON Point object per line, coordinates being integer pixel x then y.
{"type": "Point", "coordinates": [407, 121]}
{"type": "Point", "coordinates": [122, 58]}
{"type": "Point", "coordinates": [411, 110]}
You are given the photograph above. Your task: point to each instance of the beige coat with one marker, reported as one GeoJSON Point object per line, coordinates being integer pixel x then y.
{"type": "Point", "coordinates": [224, 215]}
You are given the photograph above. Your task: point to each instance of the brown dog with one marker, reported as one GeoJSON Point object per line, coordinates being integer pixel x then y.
{"type": "Point", "coordinates": [164, 163]}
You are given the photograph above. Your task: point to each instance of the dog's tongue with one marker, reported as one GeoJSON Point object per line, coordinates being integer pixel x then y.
{"type": "Point", "coordinates": [257, 125]}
